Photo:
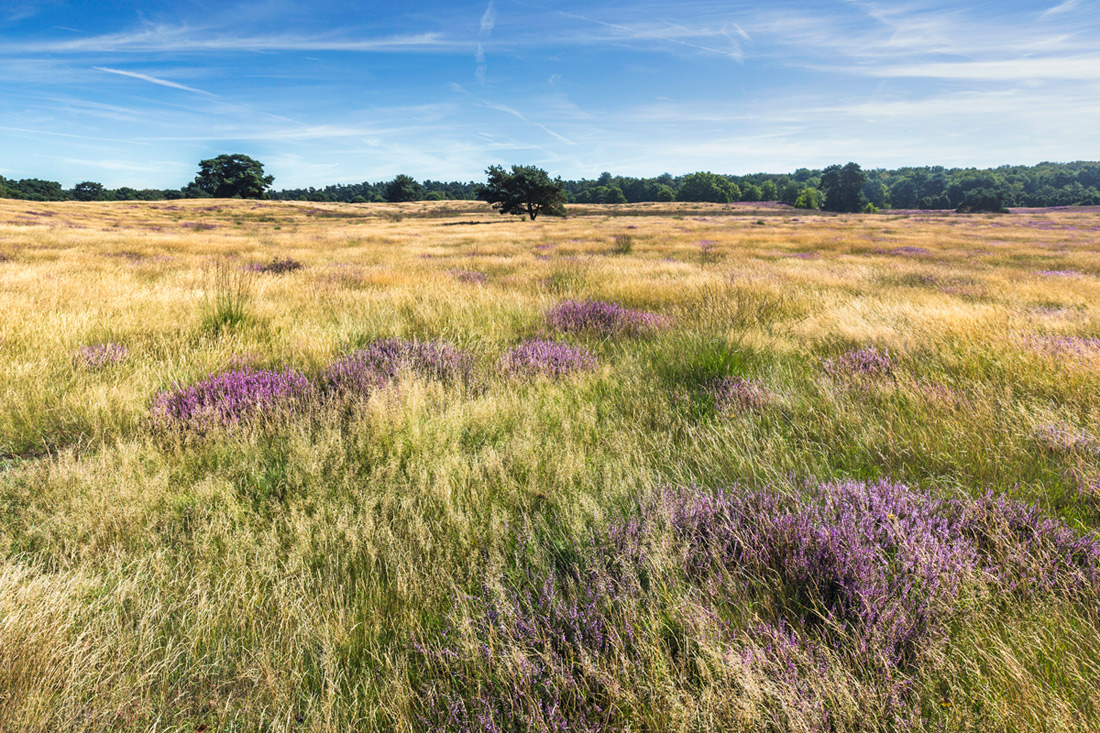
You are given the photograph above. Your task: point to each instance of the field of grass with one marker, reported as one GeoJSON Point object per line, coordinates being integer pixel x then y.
{"type": "Point", "coordinates": [811, 473]}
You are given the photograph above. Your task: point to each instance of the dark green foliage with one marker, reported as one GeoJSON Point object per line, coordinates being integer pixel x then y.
{"type": "Point", "coordinates": [843, 187]}
{"type": "Point", "coordinates": [708, 187]}
{"type": "Point", "coordinates": [983, 200]}
{"type": "Point", "coordinates": [88, 191]}
{"type": "Point", "coordinates": [524, 190]}
{"type": "Point", "coordinates": [231, 176]}
{"type": "Point", "coordinates": [403, 188]}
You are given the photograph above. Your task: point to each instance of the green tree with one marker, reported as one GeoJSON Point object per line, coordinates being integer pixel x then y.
{"type": "Point", "coordinates": [523, 190]}
{"type": "Point", "coordinates": [403, 188]}
{"type": "Point", "coordinates": [808, 198]}
{"type": "Point", "coordinates": [843, 187]}
{"type": "Point", "coordinates": [983, 200]}
{"type": "Point", "coordinates": [613, 195]}
{"type": "Point", "coordinates": [232, 176]}
{"type": "Point", "coordinates": [88, 191]}
{"type": "Point", "coordinates": [705, 186]}
{"type": "Point", "coordinates": [769, 191]}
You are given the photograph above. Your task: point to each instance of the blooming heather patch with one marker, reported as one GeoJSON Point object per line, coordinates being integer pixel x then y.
{"type": "Point", "coordinates": [1067, 346]}
{"type": "Point", "coordinates": [1057, 273]}
{"type": "Point", "coordinates": [849, 579]}
{"type": "Point", "coordinates": [1064, 438]}
{"type": "Point", "coordinates": [908, 251]}
{"type": "Point", "coordinates": [100, 356]}
{"type": "Point", "coordinates": [734, 394]}
{"type": "Point", "coordinates": [470, 276]}
{"type": "Point", "coordinates": [277, 266]}
{"type": "Point", "coordinates": [548, 358]}
{"type": "Point", "coordinates": [597, 316]}
{"type": "Point", "coordinates": [231, 397]}
{"type": "Point", "coordinates": [868, 362]}
{"type": "Point", "coordinates": [384, 361]}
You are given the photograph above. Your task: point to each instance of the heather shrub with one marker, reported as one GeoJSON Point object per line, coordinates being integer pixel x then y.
{"type": "Point", "coordinates": [472, 277]}
{"type": "Point", "coordinates": [869, 362]}
{"type": "Point", "coordinates": [230, 398]}
{"type": "Point", "coordinates": [735, 394]}
{"type": "Point", "coordinates": [601, 318]}
{"type": "Point", "coordinates": [858, 582]}
{"type": "Point", "coordinates": [546, 358]}
{"type": "Point", "coordinates": [100, 356]}
{"type": "Point", "coordinates": [277, 266]}
{"type": "Point", "coordinates": [383, 361]}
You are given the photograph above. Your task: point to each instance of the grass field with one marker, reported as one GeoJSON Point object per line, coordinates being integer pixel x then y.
{"type": "Point", "coordinates": [803, 472]}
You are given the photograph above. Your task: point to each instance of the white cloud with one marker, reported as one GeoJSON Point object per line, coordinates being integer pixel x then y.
{"type": "Point", "coordinates": [488, 20]}
{"type": "Point", "coordinates": [1060, 8]}
{"type": "Point", "coordinates": [151, 79]}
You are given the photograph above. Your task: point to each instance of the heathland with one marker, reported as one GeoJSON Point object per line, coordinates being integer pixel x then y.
{"type": "Point", "coordinates": [321, 467]}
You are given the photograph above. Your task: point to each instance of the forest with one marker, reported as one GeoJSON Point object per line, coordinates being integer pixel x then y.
{"type": "Point", "coordinates": [928, 187]}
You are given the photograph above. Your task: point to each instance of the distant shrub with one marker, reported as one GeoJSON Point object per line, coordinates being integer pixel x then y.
{"type": "Point", "coordinates": [231, 397]}
{"type": "Point", "coordinates": [277, 266]}
{"type": "Point", "coordinates": [624, 244]}
{"type": "Point", "coordinates": [546, 358]}
{"type": "Point", "coordinates": [100, 356]}
{"type": "Point", "coordinates": [607, 319]}
{"type": "Point", "coordinates": [383, 361]}
{"type": "Point", "coordinates": [870, 208]}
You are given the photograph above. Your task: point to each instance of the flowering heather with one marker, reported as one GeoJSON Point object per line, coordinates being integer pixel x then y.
{"type": "Point", "coordinates": [853, 579]}
{"type": "Point", "coordinates": [277, 266]}
{"type": "Point", "coordinates": [548, 358]}
{"type": "Point", "coordinates": [733, 394]}
{"type": "Point", "coordinates": [904, 251]}
{"type": "Point", "coordinates": [597, 316]}
{"type": "Point", "coordinates": [384, 361]}
{"type": "Point", "coordinates": [868, 362]}
{"type": "Point", "coordinates": [231, 397]}
{"type": "Point", "coordinates": [100, 356]}
{"type": "Point", "coordinates": [1072, 346]}
{"type": "Point", "coordinates": [1059, 436]}
{"type": "Point", "coordinates": [470, 276]}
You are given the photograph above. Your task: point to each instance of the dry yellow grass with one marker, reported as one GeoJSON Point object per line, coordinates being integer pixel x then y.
{"type": "Point", "coordinates": [146, 584]}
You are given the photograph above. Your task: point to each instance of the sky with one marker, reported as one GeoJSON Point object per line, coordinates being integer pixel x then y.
{"type": "Point", "coordinates": [136, 93]}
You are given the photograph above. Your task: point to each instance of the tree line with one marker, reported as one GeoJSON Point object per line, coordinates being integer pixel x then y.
{"type": "Point", "coordinates": [838, 188]}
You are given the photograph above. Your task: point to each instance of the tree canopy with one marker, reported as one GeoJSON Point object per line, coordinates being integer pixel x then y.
{"type": "Point", "coordinates": [524, 190]}
{"type": "Point", "coordinates": [843, 188]}
{"type": "Point", "coordinates": [232, 176]}
{"type": "Point", "coordinates": [404, 188]}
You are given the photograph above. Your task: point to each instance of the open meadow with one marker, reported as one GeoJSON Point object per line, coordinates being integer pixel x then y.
{"type": "Point", "coordinates": [321, 467]}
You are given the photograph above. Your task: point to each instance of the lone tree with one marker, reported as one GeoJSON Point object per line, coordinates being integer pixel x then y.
{"type": "Point", "coordinates": [525, 190]}
{"type": "Point", "coordinates": [232, 176]}
{"type": "Point", "coordinates": [403, 188]}
{"type": "Point", "coordinates": [843, 188]}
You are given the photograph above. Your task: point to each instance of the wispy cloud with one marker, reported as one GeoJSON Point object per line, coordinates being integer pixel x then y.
{"type": "Point", "coordinates": [528, 120]}
{"type": "Point", "coordinates": [488, 22]}
{"type": "Point", "coordinates": [182, 39]}
{"type": "Point", "coordinates": [151, 80]}
{"type": "Point", "coordinates": [1060, 8]}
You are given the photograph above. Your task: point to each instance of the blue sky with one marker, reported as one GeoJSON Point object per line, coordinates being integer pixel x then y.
{"type": "Point", "coordinates": [136, 93]}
